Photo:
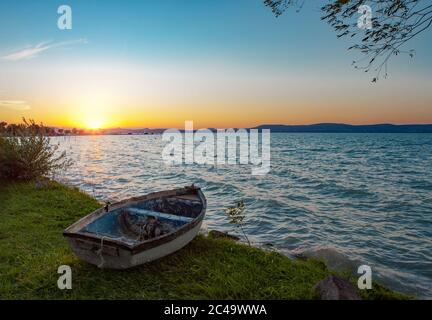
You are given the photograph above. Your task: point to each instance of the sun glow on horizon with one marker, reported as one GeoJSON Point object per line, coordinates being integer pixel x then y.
{"type": "Point", "coordinates": [94, 124]}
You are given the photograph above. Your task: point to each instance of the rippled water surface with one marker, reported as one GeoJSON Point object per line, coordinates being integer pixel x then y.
{"type": "Point", "coordinates": [350, 198]}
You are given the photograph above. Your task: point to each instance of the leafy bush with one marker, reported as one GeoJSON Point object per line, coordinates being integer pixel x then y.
{"type": "Point", "coordinates": [27, 154]}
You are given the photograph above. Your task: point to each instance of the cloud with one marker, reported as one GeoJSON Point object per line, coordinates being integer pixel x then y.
{"type": "Point", "coordinates": [34, 51]}
{"type": "Point", "coordinates": [15, 105]}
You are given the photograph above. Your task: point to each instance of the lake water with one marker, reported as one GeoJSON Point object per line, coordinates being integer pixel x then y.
{"type": "Point", "coordinates": [349, 198]}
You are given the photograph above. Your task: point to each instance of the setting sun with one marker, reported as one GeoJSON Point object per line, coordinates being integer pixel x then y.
{"type": "Point", "coordinates": [94, 124]}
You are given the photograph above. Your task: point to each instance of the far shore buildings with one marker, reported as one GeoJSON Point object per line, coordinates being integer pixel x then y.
{"type": "Point", "coordinates": [83, 132]}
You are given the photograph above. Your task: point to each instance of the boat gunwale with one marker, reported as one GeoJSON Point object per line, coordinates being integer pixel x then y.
{"type": "Point", "coordinates": [144, 245]}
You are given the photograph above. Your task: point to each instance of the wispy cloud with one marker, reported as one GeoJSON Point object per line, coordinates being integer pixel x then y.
{"type": "Point", "coordinates": [15, 105]}
{"type": "Point", "coordinates": [34, 51]}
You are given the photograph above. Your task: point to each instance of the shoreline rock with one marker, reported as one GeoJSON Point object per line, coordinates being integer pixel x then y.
{"type": "Point", "coordinates": [335, 288]}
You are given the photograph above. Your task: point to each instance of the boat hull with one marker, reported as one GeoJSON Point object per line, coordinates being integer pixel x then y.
{"type": "Point", "coordinates": [119, 258]}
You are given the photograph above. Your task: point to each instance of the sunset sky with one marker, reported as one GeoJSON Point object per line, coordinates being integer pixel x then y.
{"type": "Point", "coordinates": [220, 63]}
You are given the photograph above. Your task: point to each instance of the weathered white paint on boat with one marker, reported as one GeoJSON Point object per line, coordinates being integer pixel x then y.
{"type": "Point", "coordinates": [111, 253]}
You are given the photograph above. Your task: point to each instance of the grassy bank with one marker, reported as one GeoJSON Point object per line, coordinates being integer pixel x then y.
{"type": "Point", "coordinates": [32, 247]}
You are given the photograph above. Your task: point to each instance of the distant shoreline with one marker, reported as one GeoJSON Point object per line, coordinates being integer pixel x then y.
{"type": "Point", "coordinates": [313, 128]}
{"type": "Point", "coordinates": [348, 128]}
{"type": "Point", "coordinates": [274, 128]}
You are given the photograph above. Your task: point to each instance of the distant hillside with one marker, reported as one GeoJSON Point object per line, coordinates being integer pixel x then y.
{"type": "Point", "coordinates": [347, 128]}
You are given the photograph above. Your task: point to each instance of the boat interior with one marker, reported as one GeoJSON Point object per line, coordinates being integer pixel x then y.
{"type": "Point", "coordinates": [171, 213]}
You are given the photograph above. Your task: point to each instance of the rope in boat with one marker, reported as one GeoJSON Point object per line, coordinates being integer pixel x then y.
{"type": "Point", "coordinates": [100, 255]}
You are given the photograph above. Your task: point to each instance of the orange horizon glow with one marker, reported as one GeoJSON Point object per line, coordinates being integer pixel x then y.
{"type": "Point", "coordinates": [160, 96]}
{"type": "Point", "coordinates": [105, 108]}
{"type": "Point", "coordinates": [228, 117]}
{"type": "Point", "coordinates": [154, 120]}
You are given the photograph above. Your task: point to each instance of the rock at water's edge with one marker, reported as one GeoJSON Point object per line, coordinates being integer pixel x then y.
{"type": "Point", "coordinates": [335, 288]}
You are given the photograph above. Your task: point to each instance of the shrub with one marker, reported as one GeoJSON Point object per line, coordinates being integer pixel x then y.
{"type": "Point", "coordinates": [27, 154]}
{"type": "Point", "coordinates": [236, 215]}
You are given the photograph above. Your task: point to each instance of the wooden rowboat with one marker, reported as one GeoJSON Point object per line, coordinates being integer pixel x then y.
{"type": "Point", "coordinates": [138, 230]}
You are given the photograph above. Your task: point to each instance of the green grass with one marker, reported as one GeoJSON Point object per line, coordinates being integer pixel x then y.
{"type": "Point", "coordinates": [32, 248]}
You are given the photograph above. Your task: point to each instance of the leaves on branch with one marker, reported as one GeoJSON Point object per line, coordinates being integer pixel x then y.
{"type": "Point", "coordinates": [394, 23]}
